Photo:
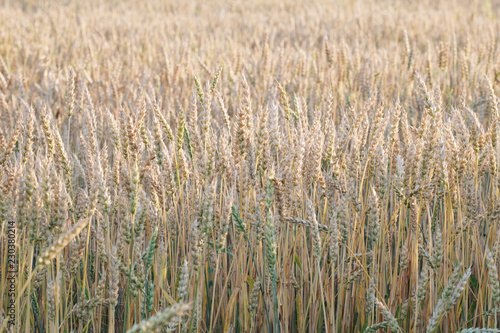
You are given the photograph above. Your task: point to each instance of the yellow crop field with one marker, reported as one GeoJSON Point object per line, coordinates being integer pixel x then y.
{"type": "Point", "coordinates": [249, 166]}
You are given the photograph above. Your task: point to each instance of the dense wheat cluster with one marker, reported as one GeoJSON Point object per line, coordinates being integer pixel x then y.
{"type": "Point", "coordinates": [249, 166]}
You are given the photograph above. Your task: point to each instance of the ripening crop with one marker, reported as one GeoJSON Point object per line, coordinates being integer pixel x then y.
{"type": "Point", "coordinates": [249, 166]}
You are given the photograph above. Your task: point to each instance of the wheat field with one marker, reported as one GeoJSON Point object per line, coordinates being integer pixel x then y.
{"type": "Point", "coordinates": [249, 166]}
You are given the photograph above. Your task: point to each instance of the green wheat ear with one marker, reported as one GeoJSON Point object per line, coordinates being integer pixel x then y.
{"type": "Point", "coordinates": [238, 221]}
